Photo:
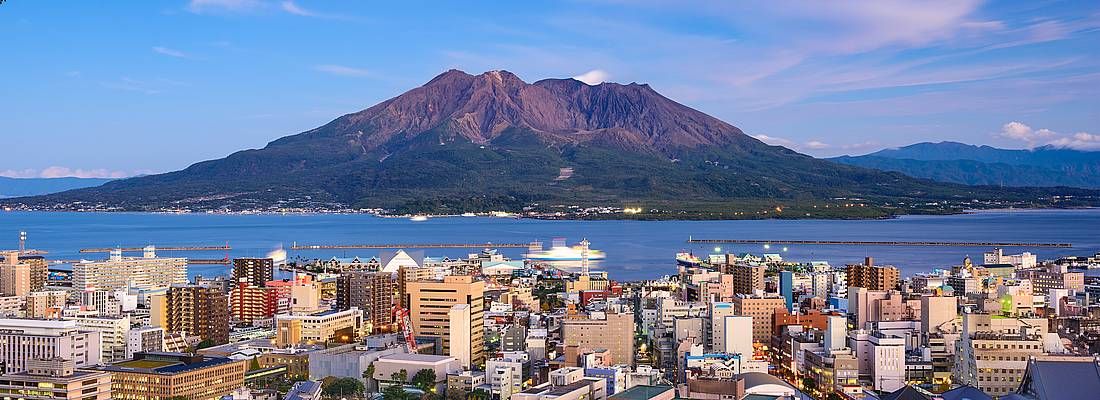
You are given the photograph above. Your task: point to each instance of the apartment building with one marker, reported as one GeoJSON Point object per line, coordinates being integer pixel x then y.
{"type": "Point", "coordinates": [872, 277]}
{"type": "Point", "coordinates": [253, 271]}
{"type": "Point", "coordinates": [198, 311]}
{"type": "Point", "coordinates": [762, 310]}
{"type": "Point", "coordinates": [333, 326]}
{"type": "Point", "coordinates": [371, 292]}
{"type": "Point", "coordinates": [146, 273]}
{"type": "Point", "coordinates": [611, 331]}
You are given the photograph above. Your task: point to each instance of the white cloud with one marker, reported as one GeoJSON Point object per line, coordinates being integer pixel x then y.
{"type": "Point", "coordinates": [775, 141]}
{"type": "Point", "coordinates": [207, 6]}
{"type": "Point", "coordinates": [817, 145]}
{"type": "Point", "coordinates": [64, 172]}
{"type": "Point", "coordinates": [593, 77]}
{"type": "Point", "coordinates": [343, 70]}
{"type": "Point", "coordinates": [1079, 141]}
{"type": "Point", "coordinates": [292, 8]}
{"type": "Point", "coordinates": [1020, 131]}
{"type": "Point", "coordinates": [169, 52]}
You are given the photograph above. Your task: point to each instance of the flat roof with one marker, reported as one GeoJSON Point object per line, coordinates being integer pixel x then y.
{"type": "Point", "coordinates": [418, 358]}
{"type": "Point", "coordinates": [641, 392]}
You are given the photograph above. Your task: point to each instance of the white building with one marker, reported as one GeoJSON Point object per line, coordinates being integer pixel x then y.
{"type": "Point", "coordinates": [148, 272]}
{"type": "Point", "coordinates": [1020, 261]}
{"type": "Point", "coordinates": [24, 339]}
{"type": "Point", "coordinates": [505, 376]}
{"type": "Point", "coordinates": [113, 332]}
{"type": "Point", "coordinates": [459, 333]}
{"type": "Point", "coordinates": [144, 339]}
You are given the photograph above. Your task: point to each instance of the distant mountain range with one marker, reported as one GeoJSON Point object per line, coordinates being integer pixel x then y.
{"type": "Point", "coordinates": [985, 165]}
{"type": "Point", "coordinates": [18, 187]}
{"type": "Point", "coordinates": [486, 142]}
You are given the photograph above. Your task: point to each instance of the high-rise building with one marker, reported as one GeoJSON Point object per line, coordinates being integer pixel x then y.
{"type": "Point", "coordinates": [26, 339]}
{"type": "Point", "coordinates": [458, 331]}
{"type": "Point", "coordinates": [614, 332]}
{"type": "Point", "coordinates": [146, 273]}
{"type": "Point", "coordinates": [371, 292]}
{"type": "Point", "coordinates": [786, 288]}
{"type": "Point", "coordinates": [761, 309]}
{"type": "Point", "coordinates": [747, 279]}
{"type": "Point", "coordinates": [872, 277]}
{"type": "Point", "coordinates": [151, 376]}
{"type": "Point", "coordinates": [430, 301]}
{"type": "Point", "coordinates": [249, 303]}
{"type": "Point", "coordinates": [198, 311]}
{"type": "Point", "coordinates": [15, 276]}
{"type": "Point", "coordinates": [253, 271]}
{"type": "Point", "coordinates": [938, 314]}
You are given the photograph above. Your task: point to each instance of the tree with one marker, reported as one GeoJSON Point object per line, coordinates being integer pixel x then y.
{"type": "Point", "coordinates": [368, 376]}
{"type": "Point", "coordinates": [254, 364]}
{"type": "Point", "coordinates": [397, 392]}
{"type": "Point", "coordinates": [205, 343]}
{"type": "Point", "coordinates": [809, 383]}
{"type": "Point", "coordinates": [424, 379]}
{"type": "Point", "coordinates": [343, 387]}
{"type": "Point", "coordinates": [478, 394]}
{"type": "Point", "coordinates": [400, 376]}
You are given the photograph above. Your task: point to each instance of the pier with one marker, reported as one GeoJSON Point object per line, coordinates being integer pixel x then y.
{"type": "Point", "coordinates": [158, 248]}
{"type": "Point", "coordinates": [878, 243]}
{"type": "Point", "coordinates": [297, 246]}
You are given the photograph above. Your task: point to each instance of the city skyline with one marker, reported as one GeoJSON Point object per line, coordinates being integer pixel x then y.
{"type": "Point", "coordinates": [179, 82]}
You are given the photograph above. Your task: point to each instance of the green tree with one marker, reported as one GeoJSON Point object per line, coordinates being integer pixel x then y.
{"type": "Point", "coordinates": [368, 376]}
{"type": "Point", "coordinates": [397, 392]}
{"type": "Point", "coordinates": [478, 394]}
{"type": "Point", "coordinates": [254, 364]}
{"type": "Point", "coordinates": [809, 383]}
{"type": "Point", "coordinates": [400, 376]}
{"type": "Point", "coordinates": [424, 379]}
{"type": "Point", "coordinates": [343, 387]}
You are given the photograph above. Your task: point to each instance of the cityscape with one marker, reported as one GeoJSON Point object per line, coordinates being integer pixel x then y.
{"type": "Point", "coordinates": [132, 325]}
{"type": "Point", "coordinates": [550, 200]}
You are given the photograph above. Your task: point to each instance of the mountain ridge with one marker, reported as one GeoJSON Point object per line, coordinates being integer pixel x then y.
{"type": "Point", "coordinates": [954, 162]}
{"type": "Point", "coordinates": [491, 141]}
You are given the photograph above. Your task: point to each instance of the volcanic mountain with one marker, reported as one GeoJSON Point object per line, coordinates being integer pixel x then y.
{"type": "Point", "coordinates": [484, 142]}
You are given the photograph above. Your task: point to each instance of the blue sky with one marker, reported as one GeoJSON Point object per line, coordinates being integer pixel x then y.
{"type": "Point", "coordinates": [120, 88]}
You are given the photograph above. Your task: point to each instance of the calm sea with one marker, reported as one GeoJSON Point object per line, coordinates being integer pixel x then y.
{"type": "Point", "coordinates": [635, 249]}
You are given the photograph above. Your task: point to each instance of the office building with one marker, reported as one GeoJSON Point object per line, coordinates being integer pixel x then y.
{"type": "Point", "coordinates": [55, 379]}
{"type": "Point", "coordinates": [872, 277]}
{"type": "Point", "coordinates": [938, 314]}
{"type": "Point", "coordinates": [1053, 277]}
{"type": "Point", "coordinates": [113, 333]}
{"type": "Point", "coordinates": [370, 292]}
{"type": "Point", "coordinates": [26, 339]}
{"type": "Point", "coordinates": [386, 366]}
{"type": "Point", "coordinates": [430, 303]}
{"type": "Point", "coordinates": [155, 376]}
{"type": "Point", "coordinates": [611, 331]}
{"type": "Point", "coordinates": [333, 326]}
{"type": "Point", "coordinates": [253, 271]}
{"type": "Point", "coordinates": [762, 310]}
{"type": "Point", "coordinates": [198, 311]}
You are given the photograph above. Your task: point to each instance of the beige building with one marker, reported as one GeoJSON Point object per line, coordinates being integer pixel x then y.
{"type": "Point", "coordinates": [46, 304]}
{"type": "Point", "coordinates": [762, 310]}
{"type": "Point", "coordinates": [430, 303]}
{"type": "Point", "coordinates": [145, 273]}
{"type": "Point", "coordinates": [339, 326]}
{"type": "Point", "coordinates": [872, 277]}
{"type": "Point", "coordinates": [55, 379]}
{"type": "Point", "coordinates": [611, 331]}
{"type": "Point", "coordinates": [160, 376]}
{"type": "Point", "coordinates": [995, 362]}
{"type": "Point", "coordinates": [939, 314]}
{"type": "Point", "coordinates": [15, 275]}
{"type": "Point", "coordinates": [113, 333]}
{"type": "Point", "coordinates": [747, 279]}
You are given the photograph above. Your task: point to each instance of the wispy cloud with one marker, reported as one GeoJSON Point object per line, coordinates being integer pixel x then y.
{"type": "Point", "coordinates": [170, 52]}
{"type": "Point", "coordinates": [816, 147]}
{"type": "Point", "coordinates": [343, 70]}
{"type": "Point", "coordinates": [1079, 141]}
{"type": "Point", "coordinates": [130, 85]}
{"type": "Point", "coordinates": [221, 6]}
{"type": "Point", "coordinates": [65, 172]}
{"type": "Point", "coordinates": [1033, 137]}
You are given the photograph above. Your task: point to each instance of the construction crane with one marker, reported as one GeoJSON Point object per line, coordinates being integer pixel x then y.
{"type": "Point", "coordinates": [401, 315]}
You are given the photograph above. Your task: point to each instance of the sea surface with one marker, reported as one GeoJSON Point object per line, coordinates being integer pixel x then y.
{"type": "Point", "coordinates": [635, 249]}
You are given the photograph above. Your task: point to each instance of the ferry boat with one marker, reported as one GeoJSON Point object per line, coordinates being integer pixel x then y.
{"type": "Point", "coordinates": [687, 259]}
{"type": "Point", "coordinates": [559, 251]}
{"type": "Point", "coordinates": [418, 218]}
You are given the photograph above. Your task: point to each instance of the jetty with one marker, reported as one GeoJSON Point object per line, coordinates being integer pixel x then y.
{"type": "Point", "coordinates": [877, 243]}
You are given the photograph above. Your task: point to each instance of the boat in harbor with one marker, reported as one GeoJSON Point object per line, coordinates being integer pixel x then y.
{"type": "Point", "coordinates": [687, 259]}
{"type": "Point", "coordinates": [418, 218]}
{"type": "Point", "coordinates": [559, 251]}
